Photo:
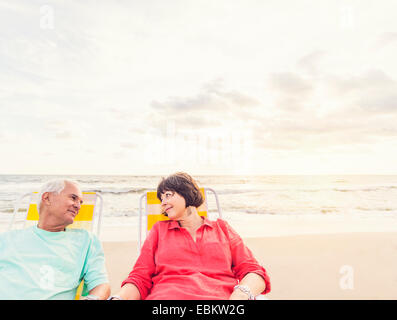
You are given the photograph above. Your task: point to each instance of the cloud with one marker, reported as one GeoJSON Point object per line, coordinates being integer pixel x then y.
{"type": "Point", "coordinates": [385, 39]}
{"type": "Point", "coordinates": [211, 97]}
{"type": "Point", "coordinates": [359, 84]}
{"type": "Point", "coordinates": [64, 135]}
{"type": "Point", "coordinates": [106, 74]}
{"type": "Point", "coordinates": [310, 63]}
{"type": "Point", "coordinates": [372, 93]}
{"type": "Point", "coordinates": [212, 106]}
{"type": "Point", "coordinates": [352, 114]}
{"type": "Point", "coordinates": [323, 110]}
{"type": "Point", "coordinates": [129, 145]}
{"type": "Point", "coordinates": [382, 102]}
{"type": "Point", "coordinates": [290, 90]}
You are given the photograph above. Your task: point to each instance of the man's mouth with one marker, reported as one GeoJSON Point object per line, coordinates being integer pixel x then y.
{"type": "Point", "coordinates": [73, 212]}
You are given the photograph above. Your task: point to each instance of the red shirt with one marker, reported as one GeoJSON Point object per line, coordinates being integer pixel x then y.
{"type": "Point", "coordinates": [172, 266]}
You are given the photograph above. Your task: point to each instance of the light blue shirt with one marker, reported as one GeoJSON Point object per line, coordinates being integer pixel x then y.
{"type": "Point", "coordinates": [38, 264]}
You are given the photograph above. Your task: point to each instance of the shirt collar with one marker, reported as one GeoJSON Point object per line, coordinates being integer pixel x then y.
{"type": "Point", "coordinates": [175, 225]}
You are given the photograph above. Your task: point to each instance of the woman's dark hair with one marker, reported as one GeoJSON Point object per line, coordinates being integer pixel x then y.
{"type": "Point", "coordinates": [184, 185]}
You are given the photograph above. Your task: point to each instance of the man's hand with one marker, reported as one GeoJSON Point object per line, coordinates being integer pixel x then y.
{"type": "Point", "coordinates": [101, 292]}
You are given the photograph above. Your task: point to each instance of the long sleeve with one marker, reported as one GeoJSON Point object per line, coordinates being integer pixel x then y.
{"type": "Point", "coordinates": [144, 268]}
{"type": "Point", "coordinates": [243, 260]}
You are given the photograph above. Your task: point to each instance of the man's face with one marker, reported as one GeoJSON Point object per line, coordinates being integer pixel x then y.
{"type": "Point", "coordinates": [66, 205]}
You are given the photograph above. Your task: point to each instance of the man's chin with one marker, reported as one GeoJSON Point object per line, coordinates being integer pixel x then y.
{"type": "Point", "coordinates": [69, 221]}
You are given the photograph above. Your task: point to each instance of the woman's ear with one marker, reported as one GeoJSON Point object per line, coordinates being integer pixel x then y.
{"type": "Point", "coordinates": [191, 209]}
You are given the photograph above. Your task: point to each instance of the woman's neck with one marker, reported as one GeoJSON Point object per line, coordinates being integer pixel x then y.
{"type": "Point", "coordinates": [191, 220]}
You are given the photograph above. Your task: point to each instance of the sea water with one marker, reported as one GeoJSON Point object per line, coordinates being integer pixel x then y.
{"type": "Point", "coordinates": [352, 195]}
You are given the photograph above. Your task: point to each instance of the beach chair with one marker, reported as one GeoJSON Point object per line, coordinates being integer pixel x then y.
{"type": "Point", "coordinates": [152, 212]}
{"type": "Point", "coordinates": [88, 218]}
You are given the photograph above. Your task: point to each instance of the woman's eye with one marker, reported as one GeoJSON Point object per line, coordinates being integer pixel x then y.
{"type": "Point", "coordinates": [167, 195]}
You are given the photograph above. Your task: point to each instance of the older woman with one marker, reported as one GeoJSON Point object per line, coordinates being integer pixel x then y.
{"type": "Point", "coordinates": [190, 257]}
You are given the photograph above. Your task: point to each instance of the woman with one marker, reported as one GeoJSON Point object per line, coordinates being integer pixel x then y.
{"type": "Point", "coordinates": [190, 257]}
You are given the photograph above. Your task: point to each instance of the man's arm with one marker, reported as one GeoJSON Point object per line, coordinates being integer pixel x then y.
{"type": "Point", "coordinates": [101, 291]}
{"type": "Point", "coordinates": [95, 273]}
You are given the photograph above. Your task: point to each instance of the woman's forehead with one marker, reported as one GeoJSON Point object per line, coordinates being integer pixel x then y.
{"type": "Point", "coordinates": [166, 191]}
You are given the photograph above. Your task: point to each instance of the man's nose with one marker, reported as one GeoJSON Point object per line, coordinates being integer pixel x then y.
{"type": "Point", "coordinates": [77, 205]}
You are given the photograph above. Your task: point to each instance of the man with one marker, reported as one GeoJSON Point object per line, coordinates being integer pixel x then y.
{"type": "Point", "coordinates": [48, 260]}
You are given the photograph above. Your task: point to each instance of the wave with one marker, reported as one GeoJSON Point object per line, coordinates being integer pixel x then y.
{"type": "Point", "coordinates": [237, 191]}
{"type": "Point", "coordinates": [253, 211]}
{"type": "Point", "coordinates": [119, 191]}
{"type": "Point", "coordinates": [308, 190]}
{"type": "Point", "coordinates": [376, 209]}
{"type": "Point", "coordinates": [370, 189]}
{"type": "Point", "coordinates": [11, 210]}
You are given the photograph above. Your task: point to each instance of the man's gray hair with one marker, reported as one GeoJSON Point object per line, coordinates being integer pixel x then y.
{"type": "Point", "coordinates": [56, 185]}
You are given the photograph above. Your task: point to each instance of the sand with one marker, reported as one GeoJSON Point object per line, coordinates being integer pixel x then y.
{"type": "Point", "coordinates": [312, 266]}
{"type": "Point", "coordinates": [307, 257]}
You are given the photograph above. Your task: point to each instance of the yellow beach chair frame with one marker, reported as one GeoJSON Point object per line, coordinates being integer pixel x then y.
{"type": "Point", "coordinates": [90, 213]}
{"type": "Point", "coordinates": [153, 212]}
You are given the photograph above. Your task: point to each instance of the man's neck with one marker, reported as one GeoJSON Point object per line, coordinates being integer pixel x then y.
{"type": "Point", "coordinates": [50, 228]}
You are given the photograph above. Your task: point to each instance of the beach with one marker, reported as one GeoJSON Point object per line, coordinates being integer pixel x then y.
{"type": "Point", "coordinates": [283, 114]}
{"type": "Point", "coordinates": [305, 258]}
{"type": "Point", "coordinates": [318, 237]}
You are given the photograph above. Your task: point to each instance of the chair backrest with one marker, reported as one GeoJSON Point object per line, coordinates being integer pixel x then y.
{"type": "Point", "coordinates": [153, 212]}
{"type": "Point", "coordinates": [90, 213]}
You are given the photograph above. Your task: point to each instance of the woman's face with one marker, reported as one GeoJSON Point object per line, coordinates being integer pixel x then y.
{"type": "Point", "coordinates": [173, 204]}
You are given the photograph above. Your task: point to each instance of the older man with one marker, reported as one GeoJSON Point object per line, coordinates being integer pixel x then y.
{"type": "Point", "coordinates": [48, 260]}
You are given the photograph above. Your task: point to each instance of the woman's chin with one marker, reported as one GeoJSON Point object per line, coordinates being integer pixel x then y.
{"type": "Point", "coordinates": [171, 215]}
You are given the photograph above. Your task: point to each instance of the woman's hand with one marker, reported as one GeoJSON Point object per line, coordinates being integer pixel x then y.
{"type": "Point", "coordinates": [128, 292]}
{"type": "Point", "coordinates": [255, 284]}
{"type": "Point", "coordinates": [238, 295]}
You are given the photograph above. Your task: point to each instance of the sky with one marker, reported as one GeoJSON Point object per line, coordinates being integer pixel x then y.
{"type": "Point", "coordinates": [206, 87]}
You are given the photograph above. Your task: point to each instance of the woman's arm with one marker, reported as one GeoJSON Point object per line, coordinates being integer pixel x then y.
{"type": "Point", "coordinates": [139, 282]}
{"type": "Point", "coordinates": [254, 282]}
{"type": "Point", "coordinates": [244, 265]}
{"type": "Point", "coordinates": [128, 292]}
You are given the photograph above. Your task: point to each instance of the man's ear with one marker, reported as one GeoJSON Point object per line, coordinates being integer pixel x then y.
{"type": "Point", "coordinates": [45, 198]}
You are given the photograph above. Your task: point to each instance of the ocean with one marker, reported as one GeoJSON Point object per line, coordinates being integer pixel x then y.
{"type": "Point", "coordinates": [358, 195]}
